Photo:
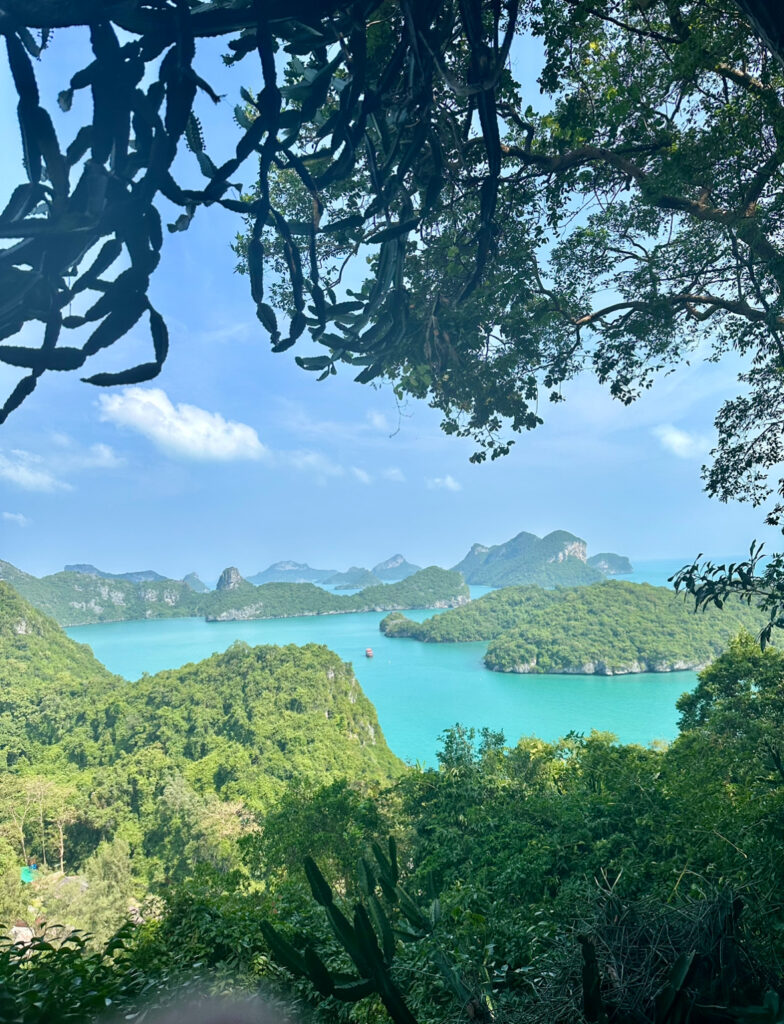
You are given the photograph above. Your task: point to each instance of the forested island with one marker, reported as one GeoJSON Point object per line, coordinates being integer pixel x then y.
{"type": "Point", "coordinates": [75, 598]}
{"type": "Point", "coordinates": [560, 559]}
{"type": "Point", "coordinates": [609, 628]}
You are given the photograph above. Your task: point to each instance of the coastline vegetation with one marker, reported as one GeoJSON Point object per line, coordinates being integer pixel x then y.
{"type": "Point", "coordinates": [608, 628]}
{"type": "Point", "coordinates": [74, 599]}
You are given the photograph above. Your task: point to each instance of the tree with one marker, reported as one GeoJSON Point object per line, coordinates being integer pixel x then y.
{"type": "Point", "coordinates": [740, 698]}
{"type": "Point", "coordinates": [632, 218]}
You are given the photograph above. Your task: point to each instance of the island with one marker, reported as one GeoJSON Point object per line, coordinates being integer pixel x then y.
{"type": "Point", "coordinates": [429, 588]}
{"type": "Point", "coordinates": [560, 559]}
{"type": "Point", "coordinates": [352, 579]}
{"type": "Point", "coordinates": [609, 628]}
{"type": "Point", "coordinates": [76, 598]}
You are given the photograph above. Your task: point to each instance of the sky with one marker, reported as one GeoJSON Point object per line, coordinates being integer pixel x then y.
{"type": "Point", "coordinates": [235, 456]}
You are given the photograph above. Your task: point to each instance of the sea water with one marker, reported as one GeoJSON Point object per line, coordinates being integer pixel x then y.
{"type": "Point", "coordinates": [419, 689]}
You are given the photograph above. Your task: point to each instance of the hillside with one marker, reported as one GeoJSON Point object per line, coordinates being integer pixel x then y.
{"type": "Point", "coordinates": [47, 681]}
{"type": "Point", "coordinates": [196, 584]}
{"type": "Point", "coordinates": [610, 628]}
{"type": "Point", "coordinates": [201, 748]}
{"type": "Point", "coordinates": [611, 565]}
{"type": "Point", "coordinates": [75, 599]}
{"type": "Point", "coordinates": [352, 579]}
{"type": "Point", "coordinates": [429, 588]}
{"type": "Point", "coordinates": [559, 559]}
{"type": "Point", "coordinates": [141, 576]}
{"type": "Point", "coordinates": [394, 569]}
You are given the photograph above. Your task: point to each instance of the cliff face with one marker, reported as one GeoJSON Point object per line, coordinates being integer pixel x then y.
{"type": "Point", "coordinates": [601, 668]}
{"type": "Point", "coordinates": [559, 559]}
{"type": "Point", "coordinates": [230, 579]}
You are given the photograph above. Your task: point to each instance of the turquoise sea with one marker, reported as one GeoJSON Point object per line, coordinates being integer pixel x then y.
{"type": "Point", "coordinates": [421, 689]}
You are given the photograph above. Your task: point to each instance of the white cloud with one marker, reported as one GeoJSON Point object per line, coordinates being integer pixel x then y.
{"type": "Point", "coordinates": [361, 475]}
{"type": "Point", "coordinates": [680, 442]}
{"type": "Point", "coordinates": [394, 474]}
{"type": "Point", "coordinates": [181, 430]}
{"type": "Point", "coordinates": [34, 472]}
{"type": "Point", "coordinates": [28, 471]}
{"type": "Point", "coordinates": [97, 456]}
{"type": "Point", "coordinates": [379, 421]}
{"type": "Point", "coordinates": [313, 462]}
{"type": "Point", "coordinates": [448, 483]}
{"type": "Point", "coordinates": [17, 518]}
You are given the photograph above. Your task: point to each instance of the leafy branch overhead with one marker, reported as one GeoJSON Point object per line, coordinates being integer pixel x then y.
{"type": "Point", "coordinates": [360, 94]}
{"type": "Point", "coordinates": [628, 222]}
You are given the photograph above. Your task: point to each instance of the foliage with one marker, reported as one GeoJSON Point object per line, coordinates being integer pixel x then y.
{"type": "Point", "coordinates": [65, 982]}
{"type": "Point", "coordinates": [608, 628]}
{"type": "Point", "coordinates": [311, 121]}
{"type": "Point", "coordinates": [336, 824]}
{"type": "Point", "coordinates": [664, 861]}
{"type": "Point", "coordinates": [485, 289]}
{"type": "Point", "coordinates": [113, 786]}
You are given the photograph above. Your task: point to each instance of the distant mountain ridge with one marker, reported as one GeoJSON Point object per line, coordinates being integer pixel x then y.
{"type": "Point", "coordinates": [352, 579]}
{"type": "Point", "coordinates": [75, 599]}
{"type": "Point", "coordinates": [143, 576]}
{"type": "Point", "coordinates": [290, 572]}
{"type": "Point", "coordinates": [394, 569]}
{"type": "Point", "coordinates": [557, 559]}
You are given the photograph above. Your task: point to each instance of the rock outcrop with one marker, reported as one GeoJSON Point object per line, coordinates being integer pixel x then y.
{"type": "Point", "coordinates": [230, 579]}
{"type": "Point", "coordinates": [559, 559]}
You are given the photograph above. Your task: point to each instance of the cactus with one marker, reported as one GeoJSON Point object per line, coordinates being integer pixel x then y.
{"type": "Point", "coordinates": [370, 939]}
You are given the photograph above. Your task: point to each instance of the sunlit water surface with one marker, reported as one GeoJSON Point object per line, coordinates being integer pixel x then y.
{"type": "Point", "coordinates": [420, 689]}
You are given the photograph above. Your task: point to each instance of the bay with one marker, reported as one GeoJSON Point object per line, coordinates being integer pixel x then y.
{"type": "Point", "coordinates": [418, 689]}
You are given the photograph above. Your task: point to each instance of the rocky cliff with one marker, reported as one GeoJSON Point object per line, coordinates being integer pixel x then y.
{"type": "Point", "coordinates": [557, 559]}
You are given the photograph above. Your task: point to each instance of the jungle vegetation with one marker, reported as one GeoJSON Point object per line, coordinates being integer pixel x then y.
{"type": "Point", "coordinates": [541, 882]}
{"type": "Point", "coordinates": [609, 628]}
{"type": "Point", "coordinates": [577, 879]}
{"type": "Point", "coordinates": [557, 560]}
{"type": "Point", "coordinates": [163, 774]}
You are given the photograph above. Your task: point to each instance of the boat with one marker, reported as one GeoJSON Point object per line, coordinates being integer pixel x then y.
{"type": "Point", "coordinates": [368, 652]}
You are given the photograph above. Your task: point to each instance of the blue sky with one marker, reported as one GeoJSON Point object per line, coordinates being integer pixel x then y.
{"type": "Point", "coordinates": [235, 456]}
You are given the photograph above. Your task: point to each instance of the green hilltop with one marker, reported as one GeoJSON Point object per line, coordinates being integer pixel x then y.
{"type": "Point", "coordinates": [608, 628]}
{"type": "Point", "coordinates": [112, 761]}
{"type": "Point", "coordinates": [75, 599]}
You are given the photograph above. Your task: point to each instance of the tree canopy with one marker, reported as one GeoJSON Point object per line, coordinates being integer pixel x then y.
{"type": "Point", "coordinates": [623, 222]}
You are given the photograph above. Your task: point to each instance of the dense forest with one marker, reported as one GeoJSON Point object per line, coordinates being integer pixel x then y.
{"type": "Point", "coordinates": [560, 559]}
{"type": "Point", "coordinates": [164, 774]}
{"type": "Point", "coordinates": [607, 628]}
{"type": "Point", "coordinates": [522, 882]}
{"type": "Point", "coordinates": [74, 599]}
